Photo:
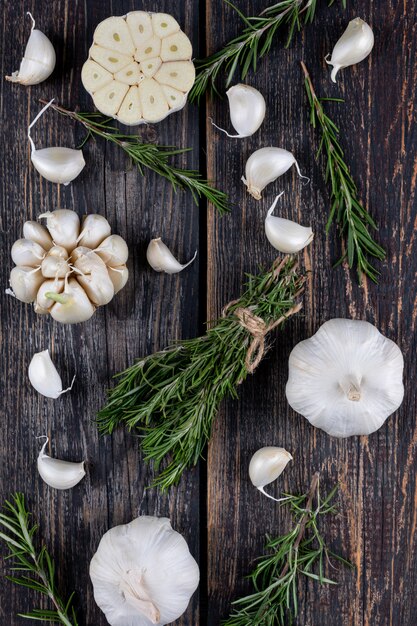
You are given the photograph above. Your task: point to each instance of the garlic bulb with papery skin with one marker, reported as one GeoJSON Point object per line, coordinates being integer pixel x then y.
{"type": "Point", "coordinates": [266, 165]}
{"type": "Point", "coordinates": [346, 379]}
{"type": "Point", "coordinates": [56, 164]}
{"type": "Point", "coordinates": [247, 110]}
{"type": "Point", "coordinates": [39, 59]}
{"type": "Point", "coordinates": [143, 573]}
{"type": "Point", "coordinates": [286, 236]}
{"type": "Point", "coordinates": [61, 277]}
{"type": "Point", "coordinates": [44, 377]}
{"type": "Point", "coordinates": [266, 465]}
{"type": "Point", "coordinates": [161, 259]}
{"type": "Point", "coordinates": [353, 46]}
{"type": "Point", "coordinates": [59, 474]}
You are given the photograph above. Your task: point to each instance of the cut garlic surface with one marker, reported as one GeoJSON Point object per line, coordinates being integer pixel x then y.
{"type": "Point", "coordinates": [147, 52]}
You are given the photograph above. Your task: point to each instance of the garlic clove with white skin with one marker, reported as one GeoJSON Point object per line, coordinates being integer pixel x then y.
{"type": "Point", "coordinates": [64, 226]}
{"type": "Point", "coordinates": [346, 379]}
{"type": "Point", "coordinates": [286, 236]}
{"type": "Point", "coordinates": [266, 465]}
{"type": "Point", "coordinates": [118, 276]}
{"type": "Point", "coordinates": [37, 233]}
{"type": "Point", "coordinates": [39, 59]}
{"type": "Point", "coordinates": [94, 229]}
{"type": "Point", "coordinates": [161, 259]}
{"type": "Point", "coordinates": [113, 250]}
{"type": "Point", "coordinates": [57, 164]}
{"type": "Point", "coordinates": [44, 377]}
{"type": "Point", "coordinates": [27, 252]}
{"type": "Point", "coordinates": [266, 165]}
{"type": "Point", "coordinates": [25, 282]}
{"type": "Point", "coordinates": [247, 110]}
{"type": "Point", "coordinates": [72, 305]}
{"type": "Point", "coordinates": [353, 46]}
{"type": "Point", "coordinates": [43, 304]}
{"type": "Point", "coordinates": [93, 277]}
{"type": "Point", "coordinates": [59, 474]}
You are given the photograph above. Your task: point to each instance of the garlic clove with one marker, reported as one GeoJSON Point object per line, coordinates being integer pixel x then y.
{"type": "Point", "coordinates": [38, 61]}
{"type": "Point", "coordinates": [59, 474]}
{"type": "Point", "coordinates": [94, 229]}
{"type": "Point", "coordinates": [94, 76]}
{"type": "Point", "coordinates": [114, 29]}
{"type": "Point", "coordinates": [150, 66]}
{"type": "Point", "coordinates": [72, 306]}
{"type": "Point", "coordinates": [353, 46]}
{"type": "Point", "coordinates": [266, 165]}
{"type": "Point", "coordinates": [37, 233]}
{"type": "Point", "coordinates": [44, 377]}
{"type": "Point", "coordinates": [131, 75]}
{"type": "Point", "coordinates": [140, 27]}
{"type": "Point", "coordinates": [153, 103]}
{"type": "Point", "coordinates": [43, 304]}
{"type": "Point", "coordinates": [247, 110]}
{"type": "Point", "coordinates": [177, 74]}
{"type": "Point", "coordinates": [119, 276]}
{"type": "Point", "coordinates": [93, 277]}
{"type": "Point", "coordinates": [109, 59]}
{"type": "Point", "coordinates": [64, 227]}
{"type": "Point", "coordinates": [164, 25]}
{"type": "Point", "coordinates": [27, 252]}
{"type": "Point", "coordinates": [113, 250]}
{"type": "Point", "coordinates": [148, 50]}
{"type": "Point", "coordinates": [175, 98]}
{"type": "Point", "coordinates": [266, 465]}
{"type": "Point", "coordinates": [286, 236]}
{"type": "Point", "coordinates": [55, 267]}
{"type": "Point", "coordinates": [131, 110]}
{"type": "Point", "coordinates": [161, 259]}
{"type": "Point", "coordinates": [176, 47]}
{"type": "Point", "coordinates": [109, 98]}
{"type": "Point", "coordinates": [25, 282]}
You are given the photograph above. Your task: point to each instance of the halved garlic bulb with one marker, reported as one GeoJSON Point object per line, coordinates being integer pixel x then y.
{"type": "Point", "coordinates": [286, 236]}
{"type": "Point", "coordinates": [59, 474]}
{"type": "Point", "coordinates": [346, 379]}
{"type": "Point", "coordinates": [247, 110]}
{"type": "Point", "coordinates": [161, 259]}
{"type": "Point", "coordinates": [353, 46]}
{"type": "Point", "coordinates": [39, 59]}
{"type": "Point", "coordinates": [139, 68]}
{"type": "Point", "coordinates": [266, 165]}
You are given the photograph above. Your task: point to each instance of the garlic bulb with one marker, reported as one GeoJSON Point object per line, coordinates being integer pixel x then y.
{"type": "Point", "coordinates": [59, 474]}
{"type": "Point", "coordinates": [39, 59]}
{"type": "Point", "coordinates": [247, 110]}
{"type": "Point", "coordinates": [161, 259]}
{"type": "Point", "coordinates": [56, 164]}
{"type": "Point", "coordinates": [44, 377]}
{"type": "Point", "coordinates": [353, 46]}
{"type": "Point", "coordinates": [266, 165]}
{"type": "Point", "coordinates": [143, 573]}
{"type": "Point", "coordinates": [63, 278]}
{"type": "Point", "coordinates": [286, 236]}
{"type": "Point", "coordinates": [139, 67]}
{"type": "Point", "coordinates": [266, 465]}
{"type": "Point", "coordinates": [346, 379]}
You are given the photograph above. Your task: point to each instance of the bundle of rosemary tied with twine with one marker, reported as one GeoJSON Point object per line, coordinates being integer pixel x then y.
{"type": "Point", "coordinates": [171, 397]}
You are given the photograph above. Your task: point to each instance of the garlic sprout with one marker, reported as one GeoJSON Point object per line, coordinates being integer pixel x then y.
{"type": "Point", "coordinates": [247, 110]}
{"type": "Point", "coordinates": [61, 277]}
{"type": "Point", "coordinates": [59, 474]}
{"type": "Point", "coordinates": [39, 59]}
{"type": "Point", "coordinates": [139, 67]}
{"type": "Point", "coordinates": [161, 259]}
{"type": "Point", "coordinates": [346, 379]}
{"type": "Point", "coordinates": [56, 164]}
{"type": "Point", "coordinates": [266, 165]}
{"type": "Point", "coordinates": [44, 377]}
{"type": "Point", "coordinates": [353, 46]}
{"type": "Point", "coordinates": [266, 465]}
{"type": "Point", "coordinates": [286, 236]}
{"type": "Point", "coordinates": [143, 573]}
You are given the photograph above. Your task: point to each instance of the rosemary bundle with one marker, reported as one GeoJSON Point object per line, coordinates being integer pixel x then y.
{"type": "Point", "coordinates": [300, 552]}
{"type": "Point", "coordinates": [35, 566]}
{"type": "Point", "coordinates": [171, 397]}
{"type": "Point", "coordinates": [253, 43]}
{"type": "Point", "coordinates": [351, 216]}
{"type": "Point", "coordinates": [151, 156]}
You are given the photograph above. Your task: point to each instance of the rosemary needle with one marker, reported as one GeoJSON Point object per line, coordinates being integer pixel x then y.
{"type": "Point", "coordinates": [151, 156]}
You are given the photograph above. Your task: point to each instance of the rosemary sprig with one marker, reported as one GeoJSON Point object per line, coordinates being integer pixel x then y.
{"type": "Point", "coordinates": [36, 565]}
{"type": "Point", "coordinates": [255, 41]}
{"type": "Point", "coordinates": [171, 397]}
{"type": "Point", "coordinates": [351, 216]}
{"type": "Point", "coordinates": [300, 552]}
{"type": "Point", "coordinates": [151, 156]}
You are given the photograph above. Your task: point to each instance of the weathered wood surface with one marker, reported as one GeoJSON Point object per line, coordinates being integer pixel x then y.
{"type": "Point", "coordinates": [222, 516]}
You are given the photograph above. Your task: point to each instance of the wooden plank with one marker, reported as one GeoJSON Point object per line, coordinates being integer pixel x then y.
{"type": "Point", "coordinates": [152, 310]}
{"type": "Point", "coordinates": [378, 494]}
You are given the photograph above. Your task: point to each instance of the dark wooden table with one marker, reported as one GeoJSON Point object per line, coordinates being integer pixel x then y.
{"type": "Point", "coordinates": [221, 515]}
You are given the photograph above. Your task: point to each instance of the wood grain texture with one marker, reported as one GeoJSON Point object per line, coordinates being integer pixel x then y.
{"type": "Point", "coordinates": [221, 515]}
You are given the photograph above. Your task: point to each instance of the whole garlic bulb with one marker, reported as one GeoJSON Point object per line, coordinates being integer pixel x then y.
{"type": "Point", "coordinates": [346, 379]}
{"type": "Point", "coordinates": [143, 573]}
{"type": "Point", "coordinates": [62, 277]}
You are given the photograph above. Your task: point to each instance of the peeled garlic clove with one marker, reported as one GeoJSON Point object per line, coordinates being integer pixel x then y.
{"type": "Point", "coordinates": [286, 236]}
{"type": "Point", "coordinates": [59, 474]}
{"type": "Point", "coordinates": [118, 276]}
{"type": "Point", "coordinates": [72, 306]}
{"type": "Point", "coordinates": [161, 259]}
{"type": "Point", "coordinates": [39, 59]}
{"type": "Point", "coordinates": [37, 233]}
{"type": "Point", "coordinates": [113, 250]}
{"type": "Point", "coordinates": [266, 465]}
{"type": "Point", "coordinates": [353, 46]}
{"type": "Point", "coordinates": [247, 110]}
{"type": "Point", "coordinates": [27, 252]}
{"type": "Point", "coordinates": [43, 304]}
{"type": "Point", "coordinates": [64, 226]}
{"type": "Point", "coordinates": [94, 229]}
{"type": "Point", "coordinates": [25, 282]}
{"type": "Point", "coordinates": [44, 377]}
{"type": "Point", "coordinates": [266, 165]}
